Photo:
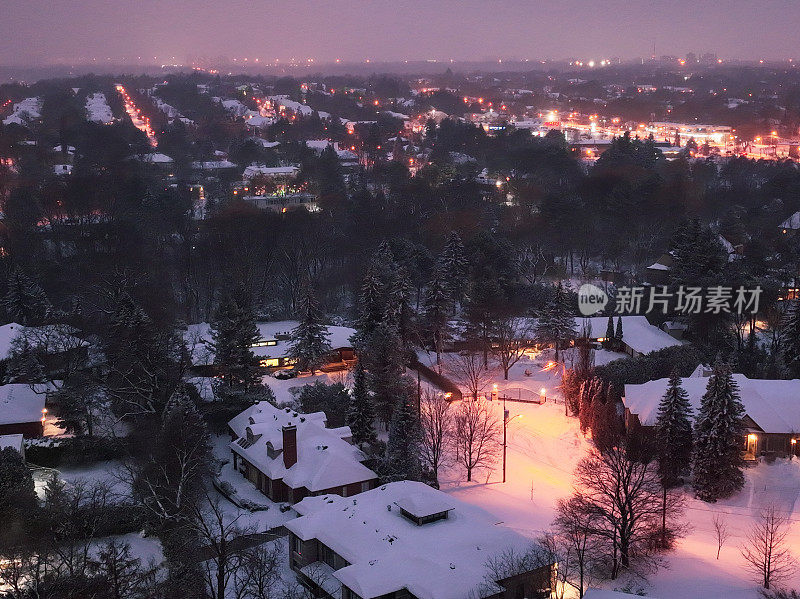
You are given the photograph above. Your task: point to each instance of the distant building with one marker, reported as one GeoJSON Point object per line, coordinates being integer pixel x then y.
{"type": "Point", "coordinates": [289, 456]}
{"type": "Point", "coordinates": [272, 349]}
{"type": "Point", "coordinates": [22, 411]}
{"type": "Point", "coordinates": [406, 540]}
{"type": "Point", "coordinates": [639, 337]}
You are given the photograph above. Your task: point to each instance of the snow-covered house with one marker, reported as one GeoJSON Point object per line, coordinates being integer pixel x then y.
{"type": "Point", "coordinates": [22, 411]}
{"type": "Point", "coordinates": [772, 409]}
{"type": "Point", "coordinates": [272, 349]}
{"type": "Point", "coordinates": [408, 540]}
{"type": "Point", "coordinates": [791, 225]}
{"type": "Point", "coordinates": [56, 345]}
{"type": "Point", "coordinates": [289, 456]}
{"type": "Point", "coordinates": [639, 337]}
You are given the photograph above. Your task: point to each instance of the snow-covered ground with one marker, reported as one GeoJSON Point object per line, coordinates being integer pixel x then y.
{"type": "Point", "coordinates": [97, 109]}
{"type": "Point", "coordinates": [543, 448]}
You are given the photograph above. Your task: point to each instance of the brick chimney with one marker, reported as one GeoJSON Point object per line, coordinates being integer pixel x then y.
{"type": "Point", "coordinates": [289, 446]}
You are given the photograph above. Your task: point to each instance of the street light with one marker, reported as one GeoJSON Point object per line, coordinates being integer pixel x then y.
{"type": "Point", "coordinates": [506, 421]}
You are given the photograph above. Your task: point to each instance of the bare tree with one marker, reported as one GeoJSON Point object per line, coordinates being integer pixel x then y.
{"type": "Point", "coordinates": [623, 498]}
{"type": "Point", "coordinates": [437, 423]}
{"type": "Point", "coordinates": [720, 531]}
{"type": "Point", "coordinates": [216, 531]}
{"type": "Point", "coordinates": [477, 431]}
{"type": "Point", "coordinates": [575, 535]}
{"type": "Point", "coordinates": [512, 336]}
{"type": "Point", "coordinates": [766, 549]}
{"type": "Point", "coordinates": [259, 575]}
{"type": "Point", "coordinates": [469, 371]}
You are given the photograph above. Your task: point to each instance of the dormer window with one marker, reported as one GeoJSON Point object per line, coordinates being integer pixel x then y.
{"type": "Point", "coordinates": [424, 509]}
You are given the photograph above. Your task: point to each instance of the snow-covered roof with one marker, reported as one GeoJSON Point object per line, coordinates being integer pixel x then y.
{"type": "Point", "coordinates": [425, 504]}
{"type": "Point", "coordinates": [8, 332]}
{"type": "Point", "coordinates": [19, 403]}
{"type": "Point", "coordinates": [604, 594]}
{"type": "Point", "coordinates": [637, 332]}
{"type": "Point", "coordinates": [270, 171]}
{"type": "Point", "coordinates": [51, 338]}
{"type": "Point", "coordinates": [324, 459]}
{"type": "Point", "coordinates": [774, 405]}
{"type": "Point", "coordinates": [387, 552]}
{"type": "Point", "coordinates": [155, 158]}
{"type": "Point", "coordinates": [198, 338]}
{"type": "Point", "coordinates": [15, 442]}
{"type": "Point", "coordinates": [211, 165]}
{"type": "Point", "coordinates": [29, 108]}
{"type": "Point", "coordinates": [97, 108]}
{"type": "Point", "coordinates": [793, 222]}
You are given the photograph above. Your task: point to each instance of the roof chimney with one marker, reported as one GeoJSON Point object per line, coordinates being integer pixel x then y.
{"type": "Point", "coordinates": [289, 446]}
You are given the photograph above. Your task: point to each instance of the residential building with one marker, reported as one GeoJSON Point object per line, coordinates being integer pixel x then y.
{"type": "Point", "coordinates": [22, 411]}
{"type": "Point", "coordinates": [639, 337]}
{"type": "Point", "coordinates": [772, 410]}
{"type": "Point", "coordinates": [406, 540]}
{"type": "Point", "coordinates": [289, 456]}
{"type": "Point", "coordinates": [272, 348]}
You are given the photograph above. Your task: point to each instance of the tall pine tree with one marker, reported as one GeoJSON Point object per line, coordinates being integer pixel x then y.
{"type": "Point", "coordinates": [790, 339]}
{"type": "Point", "coordinates": [717, 461]}
{"type": "Point", "coordinates": [454, 265]}
{"type": "Point", "coordinates": [437, 309]}
{"type": "Point", "coordinates": [361, 416]}
{"type": "Point", "coordinates": [25, 301]}
{"type": "Point", "coordinates": [309, 342]}
{"type": "Point", "coordinates": [556, 325]}
{"type": "Point", "coordinates": [402, 460]}
{"type": "Point", "coordinates": [233, 334]}
{"type": "Point", "coordinates": [674, 432]}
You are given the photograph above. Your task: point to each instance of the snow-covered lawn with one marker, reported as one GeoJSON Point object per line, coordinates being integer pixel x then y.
{"type": "Point", "coordinates": [543, 448]}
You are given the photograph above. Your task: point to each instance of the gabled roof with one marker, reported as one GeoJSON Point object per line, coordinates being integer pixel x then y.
{"type": "Point", "coordinates": [20, 404]}
{"type": "Point", "coordinates": [324, 459]}
{"type": "Point", "coordinates": [637, 332]}
{"type": "Point", "coordinates": [793, 222]}
{"type": "Point", "coordinates": [445, 559]}
{"type": "Point", "coordinates": [774, 405]}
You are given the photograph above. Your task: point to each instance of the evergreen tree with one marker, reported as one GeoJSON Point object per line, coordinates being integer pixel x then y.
{"type": "Point", "coordinates": [385, 367]}
{"type": "Point", "coordinates": [398, 312]}
{"type": "Point", "coordinates": [361, 416]}
{"type": "Point", "coordinates": [374, 296]}
{"type": "Point", "coordinates": [233, 334]}
{"type": "Point", "coordinates": [610, 329]}
{"type": "Point", "coordinates": [556, 325]}
{"type": "Point", "coordinates": [618, 332]}
{"type": "Point", "coordinates": [437, 309]}
{"type": "Point", "coordinates": [333, 399]}
{"type": "Point", "coordinates": [142, 360]}
{"type": "Point", "coordinates": [403, 449]}
{"type": "Point", "coordinates": [309, 343]}
{"type": "Point", "coordinates": [18, 503]}
{"type": "Point", "coordinates": [674, 432]}
{"type": "Point", "coordinates": [25, 301]}
{"type": "Point", "coordinates": [454, 266]}
{"type": "Point", "coordinates": [790, 339]}
{"type": "Point", "coordinates": [717, 462]}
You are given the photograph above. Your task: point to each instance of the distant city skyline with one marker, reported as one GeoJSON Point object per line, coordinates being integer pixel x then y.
{"type": "Point", "coordinates": [41, 32]}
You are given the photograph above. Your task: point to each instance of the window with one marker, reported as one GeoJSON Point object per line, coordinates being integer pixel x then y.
{"type": "Point", "coordinates": [344, 491]}
{"type": "Point", "coordinates": [365, 486]}
{"type": "Point", "coordinates": [297, 545]}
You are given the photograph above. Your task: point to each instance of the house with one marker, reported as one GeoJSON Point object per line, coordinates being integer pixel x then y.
{"type": "Point", "coordinates": [56, 346]}
{"type": "Point", "coordinates": [407, 540]}
{"type": "Point", "coordinates": [272, 348]}
{"type": "Point", "coordinates": [289, 456]}
{"type": "Point", "coordinates": [639, 337]}
{"type": "Point", "coordinates": [22, 411]}
{"type": "Point", "coordinates": [791, 225]}
{"type": "Point", "coordinates": [772, 410]}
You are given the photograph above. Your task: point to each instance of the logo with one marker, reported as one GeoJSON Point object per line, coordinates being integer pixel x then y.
{"type": "Point", "coordinates": [591, 299]}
